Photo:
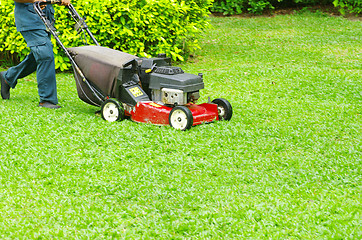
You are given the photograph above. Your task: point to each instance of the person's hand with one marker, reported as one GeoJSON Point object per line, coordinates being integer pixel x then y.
{"type": "Point", "coordinates": [42, 6]}
{"type": "Point", "coordinates": [65, 2]}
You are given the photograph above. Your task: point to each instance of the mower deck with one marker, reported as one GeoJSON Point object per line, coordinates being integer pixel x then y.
{"type": "Point", "coordinates": [151, 112]}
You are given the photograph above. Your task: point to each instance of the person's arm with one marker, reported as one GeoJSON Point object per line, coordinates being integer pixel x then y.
{"type": "Point", "coordinates": [24, 1]}
{"type": "Point", "coordinates": [64, 2]}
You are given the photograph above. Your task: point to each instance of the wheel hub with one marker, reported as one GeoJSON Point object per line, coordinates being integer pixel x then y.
{"type": "Point", "coordinates": [179, 119]}
{"type": "Point", "coordinates": [221, 111]}
{"type": "Point", "coordinates": [110, 112]}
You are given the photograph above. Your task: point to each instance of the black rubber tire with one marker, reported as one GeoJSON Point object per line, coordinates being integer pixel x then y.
{"type": "Point", "coordinates": [112, 110]}
{"type": "Point", "coordinates": [181, 118]}
{"type": "Point", "coordinates": [224, 108]}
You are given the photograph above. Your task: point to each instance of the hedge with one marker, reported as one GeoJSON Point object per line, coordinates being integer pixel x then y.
{"type": "Point", "coordinates": [353, 6]}
{"type": "Point", "coordinates": [140, 27]}
{"type": "Point", "coordinates": [229, 7]}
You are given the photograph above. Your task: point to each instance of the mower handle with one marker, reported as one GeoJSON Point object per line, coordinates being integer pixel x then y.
{"type": "Point", "coordinates": [47, 2]}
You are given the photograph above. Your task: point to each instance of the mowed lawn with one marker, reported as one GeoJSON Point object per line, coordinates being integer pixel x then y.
{"type": "Point", "coordinates": [287, 165]}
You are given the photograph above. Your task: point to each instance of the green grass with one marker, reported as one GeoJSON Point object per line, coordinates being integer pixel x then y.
{"type": "Point", "coordinates": [287, 166]}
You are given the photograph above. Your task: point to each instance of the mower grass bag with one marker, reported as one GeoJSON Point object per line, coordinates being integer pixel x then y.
{"type": "Point", "coordinates": [100, 66]}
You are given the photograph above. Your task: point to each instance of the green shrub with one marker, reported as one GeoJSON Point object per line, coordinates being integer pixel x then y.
{"type": "Point", "coordinates": [229, 7]}
{"type": "Point", "coordinates": [143, 28]}
{"type": "Point", "coordinates": [12, 44]}
{"type": "Point", "coordinates": [353, 6]}
{"type": "Point", "coordinates": [309, 2]}
{"type": "Point", "coordinates": [258, 6]}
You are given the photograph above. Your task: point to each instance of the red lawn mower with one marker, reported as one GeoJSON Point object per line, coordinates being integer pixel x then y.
{"type": "Point", "coordinates": [147, 90]}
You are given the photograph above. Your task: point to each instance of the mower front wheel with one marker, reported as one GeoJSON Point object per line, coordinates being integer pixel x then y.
{"type": "Point", "coordinates": [112, 110]}
{"type": "Point", "coordinates": [181, 118]}
{"type": "Point", "coordinates": [224, 108]}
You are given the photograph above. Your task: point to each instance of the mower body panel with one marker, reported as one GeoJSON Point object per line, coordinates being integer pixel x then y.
{"type": "Point", "coordinates": [154, 113]}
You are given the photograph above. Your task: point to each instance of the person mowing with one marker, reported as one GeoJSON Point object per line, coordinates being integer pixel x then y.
{"type": "Point", "coordinates": [40, 58]}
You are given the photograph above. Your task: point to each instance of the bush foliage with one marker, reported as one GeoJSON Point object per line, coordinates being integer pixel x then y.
{"type": "Point", "coordinates": [353, 6]}
{"type": "Point", "coordinates": [228, 7]}
{"type": "Point", "coordinates": [142, 27]}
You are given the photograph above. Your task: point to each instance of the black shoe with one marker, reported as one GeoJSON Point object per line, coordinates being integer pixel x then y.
{"type": "Point", "coordinates": [48, 105]}
{"type": "Point", "coordinates": [5, 88]}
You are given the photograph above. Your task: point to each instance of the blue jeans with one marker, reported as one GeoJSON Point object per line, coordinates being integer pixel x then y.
{"type": "Point", "coordinates": [41, 60]}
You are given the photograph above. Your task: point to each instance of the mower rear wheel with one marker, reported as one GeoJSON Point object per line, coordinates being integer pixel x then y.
{"type": "Point", "coordinates": [111, 110]}
{"type": "Point", "coordinates": [224, 108]}
{"type": "Point", "coordinates": [181, 118]}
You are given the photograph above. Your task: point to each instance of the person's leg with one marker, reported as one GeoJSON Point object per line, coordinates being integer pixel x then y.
{"type": "Point", "coordinates": [10, 77]}
{"type": "Point", "coordinates": [45, 73]}
{"type": "Point", "coordinates": [23, 69]}
{"type": "Point", "coordinates": [41, 59]}
{"type": "Point", "coordinates": [5, 88]}
{"type": "Point", "coordinates": [42, 50]}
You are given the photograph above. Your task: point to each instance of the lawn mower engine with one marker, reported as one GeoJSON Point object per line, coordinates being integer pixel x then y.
{"type": "Point", "coordinates": [169, 85]}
